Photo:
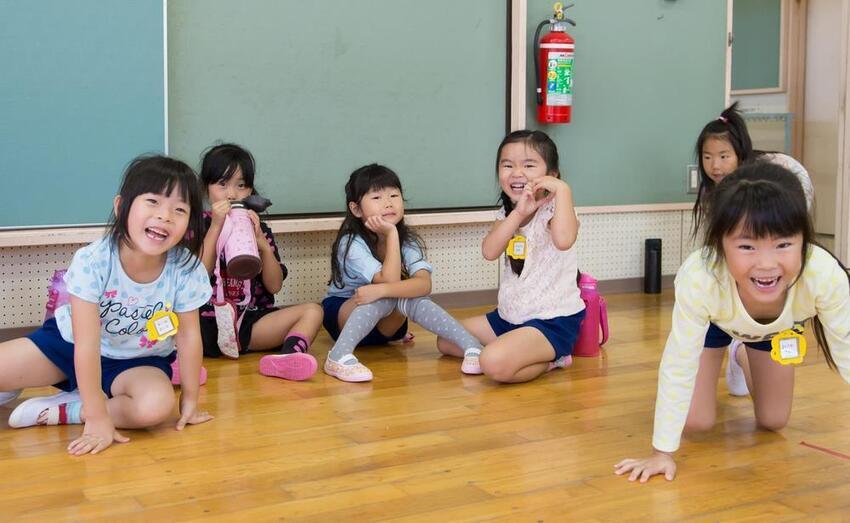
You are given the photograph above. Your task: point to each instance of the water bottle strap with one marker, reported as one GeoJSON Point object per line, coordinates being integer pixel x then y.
{"type": "Point", "coordinates": [603, 320]}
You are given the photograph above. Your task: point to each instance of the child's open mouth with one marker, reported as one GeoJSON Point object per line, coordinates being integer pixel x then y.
{"type": "Point", "coordinates": [156, 234]}
{"type": "Point", "coordinates": [766, 283]}
{"type": "Point", "coordinates": [517, 187]}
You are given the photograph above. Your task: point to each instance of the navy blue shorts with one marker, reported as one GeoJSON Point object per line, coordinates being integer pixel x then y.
{"type": "Point", "coordinates": [560, 331]}
{"type": "Point", "coordinates": [331, 306]}
{"type": "Point", "coordinates": [715, 338]}
{"type": "Point", "coordinates": [50, 342]}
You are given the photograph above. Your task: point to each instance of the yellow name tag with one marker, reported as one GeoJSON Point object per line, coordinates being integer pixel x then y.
{"type": "Point", "coordinates": [788, 347]}
{"type": "Point", "coordinates": [162, 325]}
{"type": "Point", "coordinates": [516, 248]}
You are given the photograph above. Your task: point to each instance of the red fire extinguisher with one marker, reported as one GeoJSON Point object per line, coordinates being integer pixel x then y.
{"type": "Point", "coordinates": [553, 64]}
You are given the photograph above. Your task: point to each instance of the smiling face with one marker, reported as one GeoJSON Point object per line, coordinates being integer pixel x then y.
{"type": "Point", "coordinates": [519, 164]}
{"type": "Point", "coordinates": [763, 268]}
{"type": "Point", "coordinates": [718, 158]}
{"type": "Point", "coordinates": [231, 189]}
{"type": "Point", "coordinates": [156, 222]}
{"type": "Point", "coordinates": [386, 202]}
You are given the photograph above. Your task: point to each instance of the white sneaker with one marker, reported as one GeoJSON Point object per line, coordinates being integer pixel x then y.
{"type": "Point", "coordinates": [6, 397]}
{"type": "Point", "coordinates": [26, 414]}
{"type": "Point", "coordinates": [735, 380]}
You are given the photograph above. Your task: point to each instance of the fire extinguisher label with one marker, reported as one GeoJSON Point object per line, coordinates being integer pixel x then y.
{"type": "Point", "coordinates": [559, 78]}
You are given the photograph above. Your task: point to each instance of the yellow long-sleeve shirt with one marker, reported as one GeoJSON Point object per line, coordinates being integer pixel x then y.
{"type": "Point", "coordinates": [709, 295]}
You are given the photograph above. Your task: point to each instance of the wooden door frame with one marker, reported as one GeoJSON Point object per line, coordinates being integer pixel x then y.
{"type": "Point", "coordinates": [842, 182]}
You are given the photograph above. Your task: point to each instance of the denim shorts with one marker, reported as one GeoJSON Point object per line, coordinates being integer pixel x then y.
{"type": "Point", "coordinates": [715, 338]}
{"type": "Point", "coordinates": [50, 342]}
{"type": "Point", "coordinates": [560, 331]}
{"type": "Point", "coordinates": [332, 304]}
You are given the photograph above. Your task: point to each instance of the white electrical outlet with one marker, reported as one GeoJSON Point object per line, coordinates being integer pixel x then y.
{"type": "Point", "coordinates": [693, 179]}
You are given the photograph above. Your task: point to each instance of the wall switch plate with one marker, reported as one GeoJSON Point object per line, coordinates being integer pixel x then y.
{"type": "Point", "coordinates": [693, 179]}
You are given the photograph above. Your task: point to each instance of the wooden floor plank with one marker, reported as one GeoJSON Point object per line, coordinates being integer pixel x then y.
{"type": "Point", "coordinates": [424, 443]}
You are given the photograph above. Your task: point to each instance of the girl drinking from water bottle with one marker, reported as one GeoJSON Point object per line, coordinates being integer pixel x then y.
{"type": "Point", "coordinates": [253, 322]}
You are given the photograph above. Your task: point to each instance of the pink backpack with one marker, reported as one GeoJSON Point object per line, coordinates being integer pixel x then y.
{"type": "Point", "coordinates": [57, 294]}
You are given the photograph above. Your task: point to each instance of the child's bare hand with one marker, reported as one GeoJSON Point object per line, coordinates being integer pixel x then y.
{"type": "Point", "coordinates": [643, 469]}
{"type": "Point", "coordinates": [98, 434]}
{"type": "Point", "coordinates": [368, 294]}
{"type": "Point", "coordinates": [527, 203]}
{"type": "Point", "coordinates": [219, 212]}
{"type": "Point", "coordinates": [379, 225]}
{"type": "Point", "coordinates": [189, 415]}
{"type": "Point", "coordinates": [547, 187]}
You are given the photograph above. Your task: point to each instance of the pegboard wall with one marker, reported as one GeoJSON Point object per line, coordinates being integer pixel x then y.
{"type": "Point", "coordinates": [610, 246]}
{"type": "Point", "coordinates": [24, 275]}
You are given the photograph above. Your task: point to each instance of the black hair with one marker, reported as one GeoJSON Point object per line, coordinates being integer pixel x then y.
{"type": "Point", "coordinates": [221, 161]}
{"type": "Point", "coordinates": [159, 175]}
{"type": "Point", "coordinates": [542, 145]}
{"type": "Point", "coordinates": [730, 127]}
{"type": "Point", "coordinates": [766, 200]}
{"type": "Point", "coordinates": [368, 178]}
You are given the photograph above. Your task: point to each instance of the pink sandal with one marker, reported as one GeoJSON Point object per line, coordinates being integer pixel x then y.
{"type": "Point", "coordinates": [297, 366]}
{"type": "Point", "coordinates": [352, 373]}
{"type": "Point", "coordinates": [471, 364]}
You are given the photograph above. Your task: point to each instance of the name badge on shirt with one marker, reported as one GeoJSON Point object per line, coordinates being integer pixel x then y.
{"type": "Point", "coordinates": [162, 324]}
{"type": "Point", "coordinates": [788, 347]}
{"type": "Point", "coordinates": [516, 248]}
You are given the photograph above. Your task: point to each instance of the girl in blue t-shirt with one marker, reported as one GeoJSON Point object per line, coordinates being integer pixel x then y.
{"type": "Point", "coordinates": [379, 276]}
{"type": "Point", "coordinates": [134, 294]}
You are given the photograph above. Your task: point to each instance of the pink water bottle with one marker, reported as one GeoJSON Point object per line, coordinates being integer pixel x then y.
{"type": "Point", "coordinates": [237, 240]}
{"type": "Point", "coordinates": [595, 319]}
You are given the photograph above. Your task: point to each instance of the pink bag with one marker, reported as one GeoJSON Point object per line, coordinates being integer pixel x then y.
{"type": "Point", "coordinates": [57, 294]}
{"type": "Point", "coordinates": [595, 319]}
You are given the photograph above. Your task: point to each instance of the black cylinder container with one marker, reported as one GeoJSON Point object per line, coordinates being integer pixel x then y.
{"type": "Point", "coordinates": [652, 266]}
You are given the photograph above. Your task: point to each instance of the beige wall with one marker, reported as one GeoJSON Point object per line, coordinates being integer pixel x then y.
{"type": "Point", "coordinates": [820, 134]}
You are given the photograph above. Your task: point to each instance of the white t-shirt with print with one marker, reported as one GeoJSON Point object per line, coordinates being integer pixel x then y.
{"type": "Point", "coordinates": [96, 276]}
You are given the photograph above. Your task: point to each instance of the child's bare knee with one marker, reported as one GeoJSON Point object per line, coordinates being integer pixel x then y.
{"type": "Point", "coordinates": [699, 423]}
{"type": "Point", "coordinates": [314, 310]}
{"type": "Point", "coordinates": [772, 421]}
{"type": "Point", "coordinates": [496, 368]}
{"type": "Point", "coordinates": [153, 408]}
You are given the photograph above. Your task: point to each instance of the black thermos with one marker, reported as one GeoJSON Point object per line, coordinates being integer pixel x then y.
{"type": "Point", "coordinates": [652, 266]}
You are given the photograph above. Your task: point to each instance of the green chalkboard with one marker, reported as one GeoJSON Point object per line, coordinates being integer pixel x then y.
{"type": "Point", "coordinates": [81, 94]}
{"type": "Point", "coordinates": [757, 26]}
{"type": "Point", "coordinates": [647, 77]}
{"type": "Point", "coordinates": [316, 90]}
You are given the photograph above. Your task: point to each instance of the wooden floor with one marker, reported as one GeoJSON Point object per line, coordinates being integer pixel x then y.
{"type": "Point", "coordinates": [424, 443]}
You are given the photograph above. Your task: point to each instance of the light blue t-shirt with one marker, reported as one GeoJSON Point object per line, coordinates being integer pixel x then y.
{"type": "Point", "coordinates": [359, 267]}
{"type": "Point", "coordinates": [96, 276]}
